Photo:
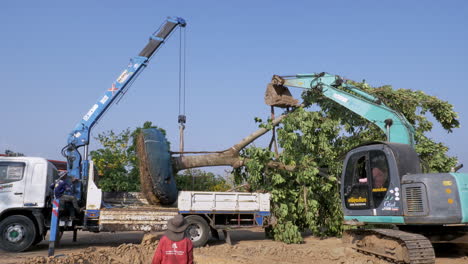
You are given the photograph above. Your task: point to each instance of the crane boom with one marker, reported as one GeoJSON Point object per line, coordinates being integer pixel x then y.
{"type": "Point", "coordinates": [393, 123]}
{"type": "Point", "coordinates": [79, 136]}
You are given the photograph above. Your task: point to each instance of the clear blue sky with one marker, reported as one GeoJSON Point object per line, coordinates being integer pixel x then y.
{"type": "Point", "coordinates": [58, 58]}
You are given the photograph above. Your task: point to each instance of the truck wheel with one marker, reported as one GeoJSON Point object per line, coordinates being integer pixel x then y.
{"type": "Point", "coordinates": [17, 233]}
{"type": "Point", "coordinates": [198, 230]}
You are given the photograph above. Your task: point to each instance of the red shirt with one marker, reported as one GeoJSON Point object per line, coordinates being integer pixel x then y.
{"type": "Point", "coordinates": [169, 252]}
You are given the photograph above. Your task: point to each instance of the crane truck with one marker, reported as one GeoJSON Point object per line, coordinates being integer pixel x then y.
{"type": "Point", "coordinates": [26, 205]}
{"type": "Point", "coordinates": [28, 210]}
{"type": "Point", "coordinates": [382, 183]}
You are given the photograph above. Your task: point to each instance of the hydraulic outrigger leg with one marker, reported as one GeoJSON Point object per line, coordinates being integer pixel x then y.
{"type": "Point", "coordinates": [53, 226]}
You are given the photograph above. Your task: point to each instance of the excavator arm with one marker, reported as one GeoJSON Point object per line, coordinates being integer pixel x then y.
{"type": "Point", "coordinates": [393, 123]}
{"type": "Point", "coordinates": [79, 136]}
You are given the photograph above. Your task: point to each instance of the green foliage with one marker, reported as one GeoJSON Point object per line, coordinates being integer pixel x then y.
{"type": "Point", "coordinates": [199, 180]}
{"type": "Point", "coordinates": [300, 199]}
{"type": "Point", "coordinates": [312, 139]}
{"type": "Point", "coordinates": [11, 153]}
{"type": "Point", "coordinates": [115, 162]}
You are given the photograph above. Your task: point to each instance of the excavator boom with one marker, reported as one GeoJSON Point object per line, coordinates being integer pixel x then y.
{"type": "Point", "coordinates": [335, 88]}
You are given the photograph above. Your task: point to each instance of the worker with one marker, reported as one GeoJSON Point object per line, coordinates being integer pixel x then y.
{"type": "Point", "coordinates": [60, 187]}
{"type": "Point", "coordinates": [174, 247]}
{"type": "Point", "coordinates": [379, 176]}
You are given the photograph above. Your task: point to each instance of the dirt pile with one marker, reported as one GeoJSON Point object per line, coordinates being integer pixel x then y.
{"type": "Point", "coordinates": [314, 250]}
{"type": "Point", "coordinates": [123, 254]}
{"type": "Point", "coordinates": [251, 246]}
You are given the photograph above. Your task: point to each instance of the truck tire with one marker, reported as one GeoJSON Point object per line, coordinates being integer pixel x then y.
{"type": "Point", "coordinates": [198, 230]}
{"type": "Point", "coordinates": [17, 233]}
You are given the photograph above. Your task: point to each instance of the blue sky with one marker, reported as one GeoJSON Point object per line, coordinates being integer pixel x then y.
{"type": "Point", "coordinates": [58, 58]}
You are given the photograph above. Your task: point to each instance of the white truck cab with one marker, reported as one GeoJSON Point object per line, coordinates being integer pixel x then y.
{"type": "Point", "coordinates": [24, 191]}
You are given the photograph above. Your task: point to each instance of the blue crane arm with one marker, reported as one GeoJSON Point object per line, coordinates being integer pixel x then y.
{"type": "Point", "coordinates": [393, 123]}
{"type": "Point", "coordinates": [79, 136]}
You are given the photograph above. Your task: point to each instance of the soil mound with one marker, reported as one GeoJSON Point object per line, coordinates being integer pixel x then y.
{"type": "Point", "coordinates": [314, 250]}
{"type": "Point", "coordinates": [123, 254]}
{"type": "Point", "coordinates": [250, 247]}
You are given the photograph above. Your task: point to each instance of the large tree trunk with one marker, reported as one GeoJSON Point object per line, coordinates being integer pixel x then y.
{"type": "Point", "coordinates": [228, 157]}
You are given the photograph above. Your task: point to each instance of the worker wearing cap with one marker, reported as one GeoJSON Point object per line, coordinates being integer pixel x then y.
{"type": "Point", "coordinates": [174, 247]}
{"type": "Point", "coordinates": [60, 187]}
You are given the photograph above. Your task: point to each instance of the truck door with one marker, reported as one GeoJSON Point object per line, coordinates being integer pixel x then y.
{"type": "Point", "coordinates": [11, 184]}
{"type": "Point", "coordinates": [35, 191]}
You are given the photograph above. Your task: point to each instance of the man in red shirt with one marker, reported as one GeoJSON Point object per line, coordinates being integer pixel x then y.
{"type": "Point", "coordinates": [174, 247]}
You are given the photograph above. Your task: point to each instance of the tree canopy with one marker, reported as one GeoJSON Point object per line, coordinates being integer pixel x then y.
{"type": "Point", "coordinates": [116, 162]}
{"type": "Point", "coordinates": [12, 153]}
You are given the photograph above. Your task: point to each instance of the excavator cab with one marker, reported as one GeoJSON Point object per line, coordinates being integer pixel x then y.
{"type": "Point", "coordinates": [371, 181]}
{"type": "Point", "coordinates": [382, 183]}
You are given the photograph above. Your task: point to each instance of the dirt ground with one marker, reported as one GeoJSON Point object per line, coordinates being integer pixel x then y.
{"type": "Point", "coordinates": [249, 246]}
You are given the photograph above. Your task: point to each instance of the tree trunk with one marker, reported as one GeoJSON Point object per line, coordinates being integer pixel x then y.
{"type": "Point", "coordinates": [228, 157]}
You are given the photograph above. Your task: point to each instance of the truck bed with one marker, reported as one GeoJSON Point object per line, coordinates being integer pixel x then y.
{"type": "Point", "coordinates": [137, 218]}
{"type": "Point", "coordinates": [222, 202]}
{"type": "Point", "coordinates": [131, 211]}
{"type": "Point", "coordinates": [127, 211]}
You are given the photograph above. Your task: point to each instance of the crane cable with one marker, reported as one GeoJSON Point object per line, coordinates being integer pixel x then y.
{"type": "Point", "coordinates": [182, 63]}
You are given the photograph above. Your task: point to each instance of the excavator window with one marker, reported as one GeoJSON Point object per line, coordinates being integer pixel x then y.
{"type": "Point", "coordinates": [357, 182]}
{"type": "Point", "coordinates": [366, 180]}
{"type": "Point", "coordinates": [380, 178]}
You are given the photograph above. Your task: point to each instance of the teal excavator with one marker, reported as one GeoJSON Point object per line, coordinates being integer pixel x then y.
{"type": "Point", "coordinates": [382, 183]}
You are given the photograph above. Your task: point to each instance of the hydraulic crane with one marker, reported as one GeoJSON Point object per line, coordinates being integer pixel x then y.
{"type": "Point", "coordinates": [79, 136]}
{"type": "Point", "coordinates": [78, 164]}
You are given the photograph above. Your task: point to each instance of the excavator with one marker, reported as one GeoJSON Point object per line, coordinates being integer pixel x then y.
{"type": "Point", "coordinates": [382, 183]}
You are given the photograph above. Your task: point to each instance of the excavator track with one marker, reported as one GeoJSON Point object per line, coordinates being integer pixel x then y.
{"type": "Point", "coordinates": [394, 245]}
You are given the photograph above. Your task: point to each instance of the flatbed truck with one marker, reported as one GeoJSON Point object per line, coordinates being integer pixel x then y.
{"type": "Point", "coordinates": [25, 208]}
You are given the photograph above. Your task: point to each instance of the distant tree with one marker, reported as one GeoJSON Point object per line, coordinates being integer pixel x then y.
{"type": "Point", "coordinates": [11, 153]}
{"type": "Point", "coordinates": [199, 180]}
{"type": "Point", "coordinates": [114, 162]}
